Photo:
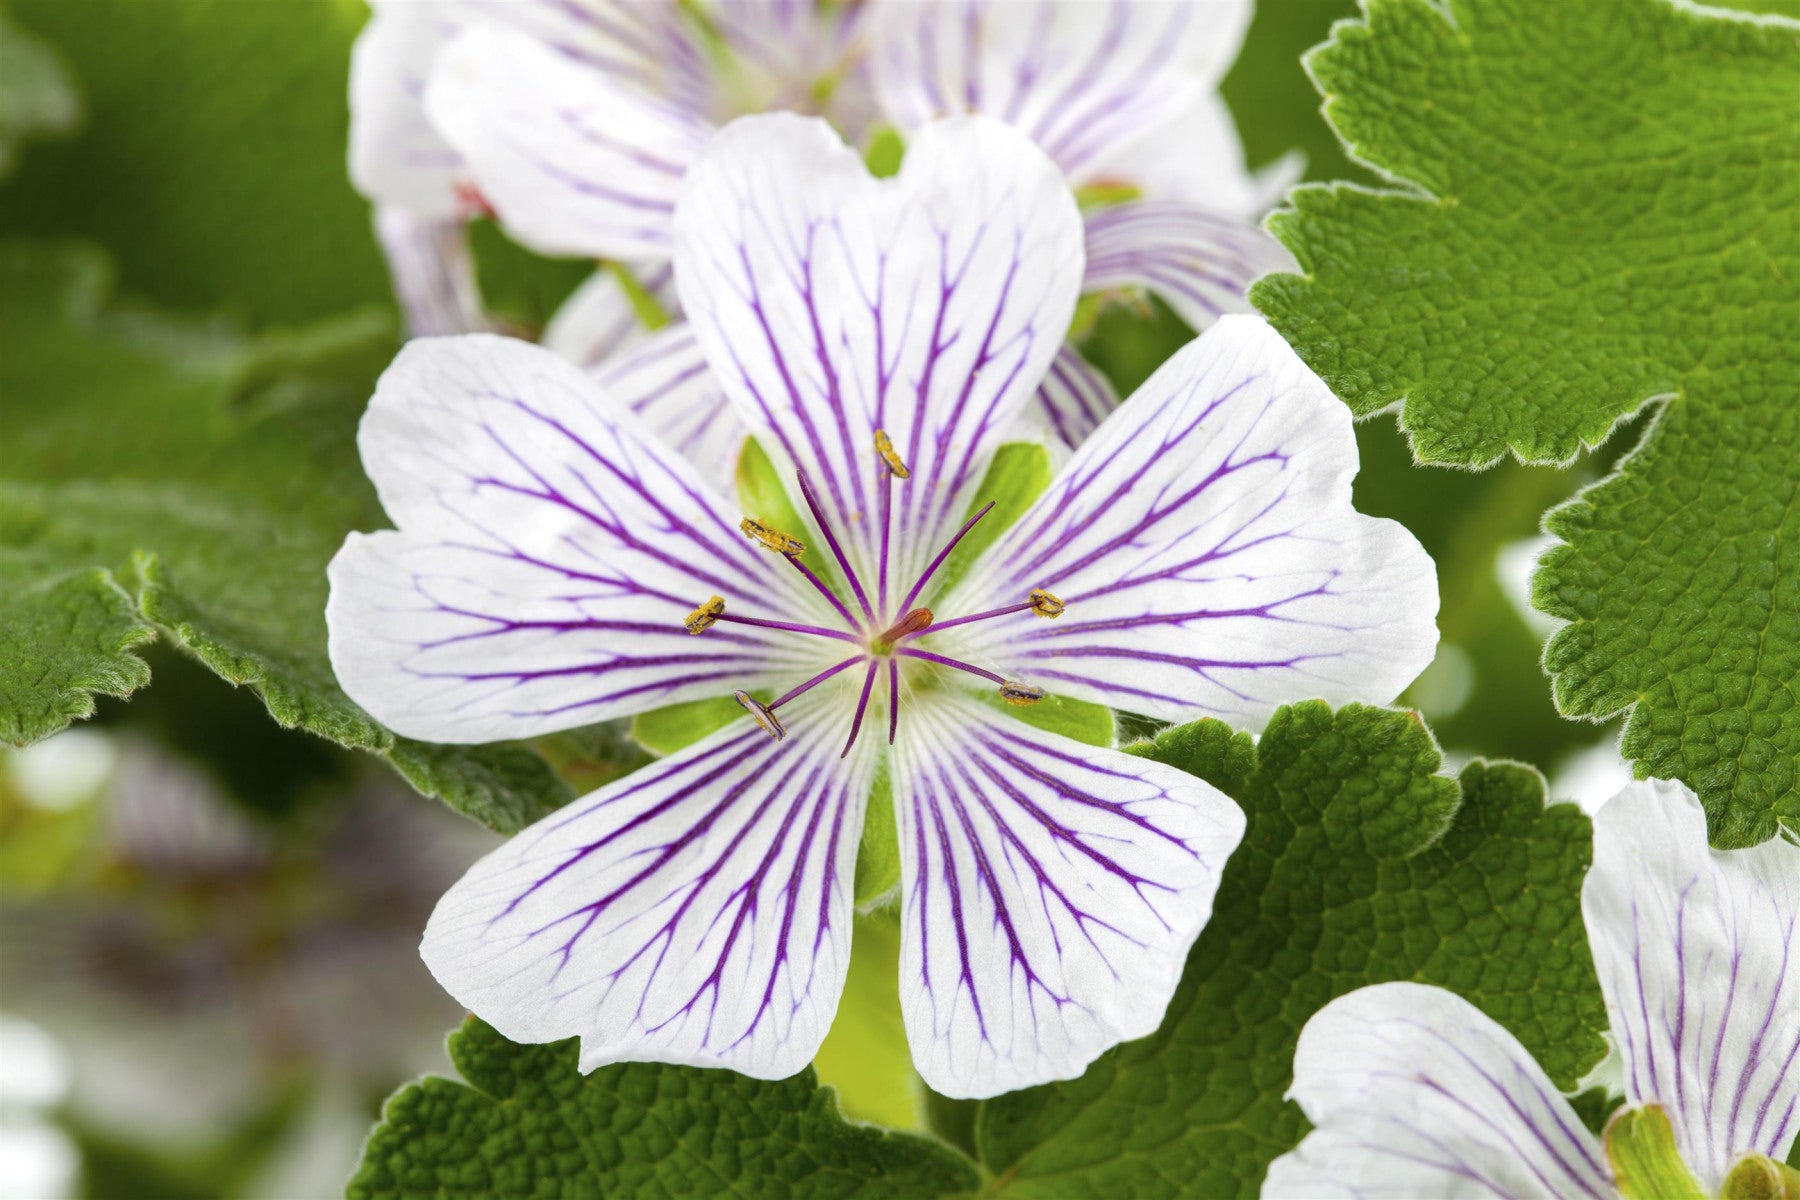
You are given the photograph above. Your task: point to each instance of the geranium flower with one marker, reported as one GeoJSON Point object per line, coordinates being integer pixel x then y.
{"type": "Point", "coordinates": [576, 121]}
{"type": "Point", "coordinates": [554, 565]}
{"type": "Point", "coordinates": [1415, 1092]}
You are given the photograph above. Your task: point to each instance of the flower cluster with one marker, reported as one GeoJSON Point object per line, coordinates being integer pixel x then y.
{"type": "Point", "coordinates": [574, 122]}
{"type": "Point", "coordinates": [555, 563]}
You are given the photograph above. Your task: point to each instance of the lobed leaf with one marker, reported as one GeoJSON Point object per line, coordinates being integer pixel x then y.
{"type": "Point", "coordinates": [527, 1123]}
{"type": "Point", "coordinates": [1594, 207]}
{"type": "Point", "coordinates": [1359, 866]}
{"type": "Point", "coordinates": [178, 480]}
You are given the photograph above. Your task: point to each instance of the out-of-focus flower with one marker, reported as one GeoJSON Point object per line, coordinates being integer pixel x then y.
{"type": "Point", "coordinates": [576, 122]}
{"type": "Point", "coordinates": [554, 564]}
{"type": "Point", "coordinates": [1415, 1092]}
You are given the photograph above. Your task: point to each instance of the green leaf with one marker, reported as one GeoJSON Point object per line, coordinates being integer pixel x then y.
{"type": "Point", "coordinates": [211, 162]}
{"type": "Point", "coordinates": [179, 480]}
{"type": "Point", "coordinates": [1358, 867]}
{"type": "Point", "coordinates": [70, 633]}
{"type": "Point", "coordinates": [1598, 206]}
{"type": "Point", "coordinates": [37, 94]}
{"type": "Point", "coordinates": [527, 1123]}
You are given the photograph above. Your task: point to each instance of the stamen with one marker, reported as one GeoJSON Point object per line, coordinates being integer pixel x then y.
{"type": "Point", "coordinates": [815, 681]}
{"type": "Point", "coordinates": [945, 553]}
{"type": "Point", "coordinates": [837, 551]}
{"type": "Point", "coordinates": [771, 724]}
{"type": "Point", "coordinates": [893, 699]}
{"type": "Point", "coordinates": [1046, 605]}
{"type": "Point", "coordinates": [786, 626]}
{"type": "Point", "coordinates": [910, 624]}
{"type": "Point", "coordinates": [885, 447]}
{"type": "Point", "coordinates": [702, 618]}
{"type": "Point", "coordinates": [982, 616]}
{"type": "Point", "coordinates": [1021, 694]}
{"type": "Point", "coordinates": [862, 706]}
{"type": "Point", "coordinates": [941, 661]}
{"type": "Point", "coordinates": [772, 539]}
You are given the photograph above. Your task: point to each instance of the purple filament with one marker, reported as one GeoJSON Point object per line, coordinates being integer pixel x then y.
{"type": "Point", "coordinates": [906, 604]}
{"type": "Point", "coordinates": [862, 706]}
{"type": "Point", "coordinates": [816, 630]}
{"type": "Point", "coordinates": [928, 656]}
{"type": "Point", "coordinates": [821, 677]}
{"type": "Point", "coordinates": [837, 551]}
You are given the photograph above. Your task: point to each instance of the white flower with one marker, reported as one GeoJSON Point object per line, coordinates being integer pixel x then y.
{"type": "Point", "coordinates": [1415, 1092]}
{"type": "Point", "coordinates": [555, 564]}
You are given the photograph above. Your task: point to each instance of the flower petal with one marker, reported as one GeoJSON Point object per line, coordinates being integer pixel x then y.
{"type": "Point", "coordinates": [433, 273]}
{"type": "Point", "coordinates": [1415, 1092]}
{"type": "Point", "coordinates": [832, 304]}
{"type": "Point", "coordinates": [1698, 952]}
{"type": "Point", "coordinates": [1199, 262]}
{"type": "Point", "coordinates": [1204, 542]}
{"type": "Point", "coordinates": [666, 382]}
{"type": "Point", "coordinates": [697, 911]}
{"type": "Point", "coordinates": [1049, 893]}
{"type": "Point", "coordinates": [1072, 401]}
{"type": "Point", "coordinates": [574, 159]}
{"type": "Point", "coordinates": [396, 157]}
{"type": "Point", "coordinates": [1082, 80]}
{"type": "Point", "coordinates": [547, 552]}
{"type": "Point", "coordinates": [599, 321]}
{"type": "Point", "coordinates": [1196, 157]}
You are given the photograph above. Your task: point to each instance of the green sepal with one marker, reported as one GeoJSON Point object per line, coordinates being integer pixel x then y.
{"type": "Point", "coordinates": [650, 311]}
{"type": "Point", "coordinates": [886, 149]}
{"type": "Point", "coordinates": [765, 497]}
{"type": "Point", "coordinates": [1018, 475]}
{"type": "Point", "coordinates": [1755, 1177]}
{"type": "Point", "coordinates": [1103, 195]}
{"type": "Point", "coordinates": [663, 731]}
{"type": "Point", "coordinates": [865, 1056]}
{"type": "Point", "coordinates": [1640, 1144]}
{"type": "Point", "coordinates": [1091, 724]}
{"type": "Point", "coordinates": [878, 854]}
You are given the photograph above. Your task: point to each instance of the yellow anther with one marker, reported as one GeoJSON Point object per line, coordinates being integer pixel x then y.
{"type": "Point", "coordinates": [702, 618]}
{"type": "Point", "coordinates": [1044, 604]}
{"type": "Point", "coordinates": [884, 446]}
{"type": "Point", "coordinates": [1020, 694]}
{"type": "Point", "coordinates": [772, 539]}
{"type": "Point", "coordinates": [763, 714]}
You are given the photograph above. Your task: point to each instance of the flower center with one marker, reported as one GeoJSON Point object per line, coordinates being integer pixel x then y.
{"type": "Point", "coordinates": [876, 643]}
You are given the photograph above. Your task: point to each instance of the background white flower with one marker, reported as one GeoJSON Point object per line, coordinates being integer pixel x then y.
{"type": "Point", "coordinates": [1415, 1092]}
